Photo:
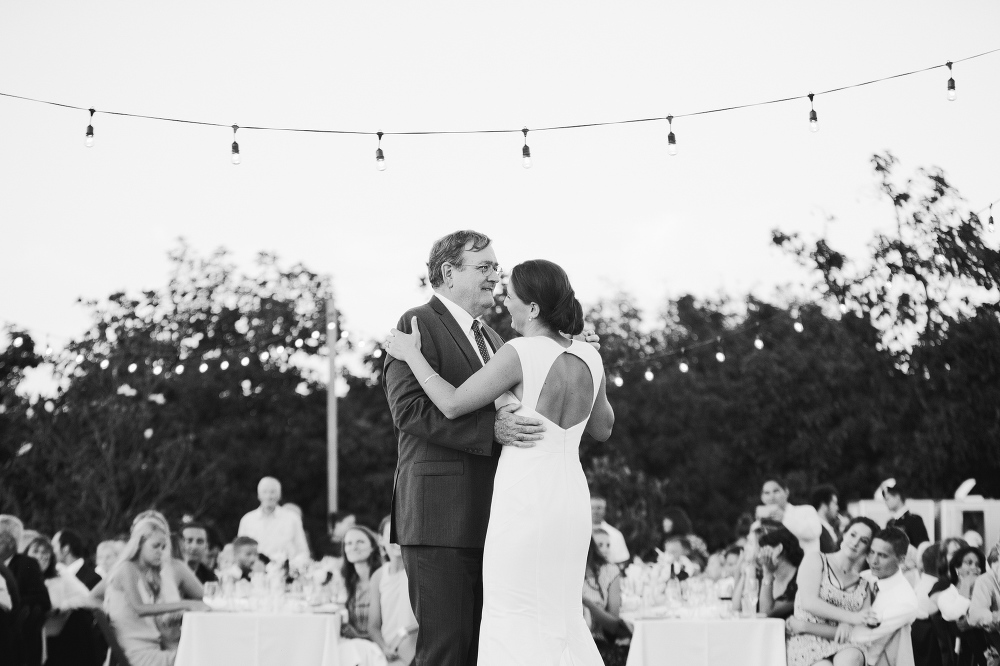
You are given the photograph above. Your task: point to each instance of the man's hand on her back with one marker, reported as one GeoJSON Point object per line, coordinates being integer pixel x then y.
{"type": "Point", "coordinates": [512, 430]}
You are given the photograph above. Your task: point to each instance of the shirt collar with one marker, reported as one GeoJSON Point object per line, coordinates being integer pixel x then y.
{"type": "Point", "coordinates": [463, 318]}
{"type": "Point", "coordinates": [6, 562]}
{"type": "Point", "coordinates": [899, 514]}
{"type": "Point", "coordinates": [74, 566]}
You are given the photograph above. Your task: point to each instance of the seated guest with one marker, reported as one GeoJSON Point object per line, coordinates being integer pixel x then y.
{"type": "Point", "coordinates": [602, 600]}
{"type": "Point", "coordinates": [246, 557]}
{"type": "Point", "coordinates": [277, 530]}
{"type": "Point", "coordinates": [913, 526]}
{"type": "Point", "coordinates": [71, 556]}
{"type": "Point", "coordinates": [779, 557]}
{"type": "Point", "coordinates": [598, 510]}
{"type": "Point", "coordinates": [731, 561]}
{"type": "Point", "coordinates": [883, 635]}
{"type": "Point", "coordinates": [361, 560]}
{"type": "Point", "coordinates": [802, 521]}
{"type": "Point", "coordinates": [10, 604]}
{"type": "Point", "coordinates": [391, 622]}
{"type": "Point", "coordinates": [144, 608]}
{"type": "Point", "coordinates": [676, 522]}
{"type": "Point", "coordinates": [830, 593]}
{"type": "Point", "coordinates": [27, 536]}
{"type": "Point", "coordinates": [953, 596]}
{"type": "Point", "coordinates": [194, 549]}
{"type": "Point", "coordinates": [338, 522]}
{"type": "Point", "coordinates": [67, 633]}
{"type": "Point", "coordinates": [984, 609]}
{"type": "Point", "coordinates": [34, 597]}
{"type": "Point", "coordinates": [931, 645]}
{"type": "Point", "coordinates": [827, 504]}
{"type": "Point", "coordinates": [603, 542]}
{"type": "Point", "coordinates": [105, 556]}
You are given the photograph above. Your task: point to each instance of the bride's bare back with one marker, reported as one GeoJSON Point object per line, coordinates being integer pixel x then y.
{"type": "Point", "coordinates": [567, 395]}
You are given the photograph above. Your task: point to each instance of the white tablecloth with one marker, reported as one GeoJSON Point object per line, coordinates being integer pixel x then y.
{"type": "Point", "coordinates": [748, 642]}
{"type": "Point", "coordinates": [258, 639]}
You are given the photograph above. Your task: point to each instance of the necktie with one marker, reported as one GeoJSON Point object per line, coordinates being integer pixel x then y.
{"type": "Point", "coordinates": [477, 332]}
{"type": "Point", "coordinates": [874, 590]}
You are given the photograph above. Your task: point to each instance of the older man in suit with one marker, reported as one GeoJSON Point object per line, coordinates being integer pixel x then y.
{"type": "Point", "coordinates": [35, 603]}
{"type": "Point", "coordinates": [444, 475]}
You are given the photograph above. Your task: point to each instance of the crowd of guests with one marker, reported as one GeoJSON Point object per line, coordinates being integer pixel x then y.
{"type": "Point", "coordinates": [851, 593]}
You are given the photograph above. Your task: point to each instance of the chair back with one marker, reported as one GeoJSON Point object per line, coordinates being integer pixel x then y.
{"type": "Point", "coordinates": [118, 657]}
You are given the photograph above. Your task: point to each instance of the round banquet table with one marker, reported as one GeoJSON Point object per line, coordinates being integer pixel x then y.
{"type": "Point", "coordinates": [258, 639]}
{"type": "Point", "coordinates": [690, 642]}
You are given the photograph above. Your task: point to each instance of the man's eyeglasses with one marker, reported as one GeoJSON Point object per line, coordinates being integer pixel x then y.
{"type": "Point", "coordinates": [486, 269]}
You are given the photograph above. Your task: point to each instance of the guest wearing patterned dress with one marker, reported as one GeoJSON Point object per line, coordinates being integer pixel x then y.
{"type": "Point", "coordinates": [361, 560]}
{"type": "Point", "coordinates": [831, 591]}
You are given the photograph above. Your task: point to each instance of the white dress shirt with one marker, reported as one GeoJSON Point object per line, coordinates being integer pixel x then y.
{"type": "Point", "coordinates": [5, 602]}
{"type": "Point", "coordinates": [896, 607]}
{"type": "Point", "coordinates": [73, 568]}
{"type": "Point", "coordinates": [617, 550]}
{"type": "Point", "coordinates": [278, 533]}
{"type": "Point", "coordinates": [803, 521]}
{"type": "Point", "coordinates": [464, 320]}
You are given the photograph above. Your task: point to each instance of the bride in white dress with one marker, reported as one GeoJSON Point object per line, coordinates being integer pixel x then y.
{"type": "Point", "coordinates": [534, 561]}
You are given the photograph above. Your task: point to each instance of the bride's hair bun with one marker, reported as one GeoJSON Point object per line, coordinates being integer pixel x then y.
{"type": "Point", "coordinates": [545, 283]}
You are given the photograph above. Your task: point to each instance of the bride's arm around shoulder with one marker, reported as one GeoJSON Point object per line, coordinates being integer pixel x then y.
{"type": "Point", "coordinates": [602, 417]}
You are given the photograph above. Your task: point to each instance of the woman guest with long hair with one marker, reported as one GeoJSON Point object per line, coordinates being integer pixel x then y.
{"type": "Point", "coordinates": [361, 560]}
{"type": "Point", "coordinates": [602, 600]}
{"type": "Point", "coordinates": [135, 597]}
{"type": "Point", "coordinates": [67, 629]}
{"type": "Point", "coordinates": [779, 557]}
{"type": "Point", "coordinates": [831, 591]}
{"type": "Point", "coordinates": [953, 596]}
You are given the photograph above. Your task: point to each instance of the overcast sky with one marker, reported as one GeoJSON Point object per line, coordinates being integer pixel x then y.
{"type": "Point", "coordinates": [607, 203]}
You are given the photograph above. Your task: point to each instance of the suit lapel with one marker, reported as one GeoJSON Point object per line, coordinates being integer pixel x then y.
{"type": "Point", "coordinates": [457, 333]}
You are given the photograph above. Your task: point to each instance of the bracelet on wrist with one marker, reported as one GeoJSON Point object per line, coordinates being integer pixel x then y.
{"type": "Point", "coordinates": [429, 378]}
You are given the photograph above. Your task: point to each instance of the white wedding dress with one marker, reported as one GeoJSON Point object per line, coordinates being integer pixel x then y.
{"type": "Point", "coordinates": [539, 532]}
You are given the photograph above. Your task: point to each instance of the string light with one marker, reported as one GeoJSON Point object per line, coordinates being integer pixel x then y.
{"type": "Point", "coordinates": [720, 355]}
{"type": "Point", "coordinates": [157, 369]}
{"type": "Point", "coordinates": [813, 118]}
{"type": "Point", "coordinates": [525, 152]}
{"type": "Point", "coordinates": [758, 343]}
{"type": "Point", "coordinates": [952, 93]}
{"type": "Point", "coordinates": [798, 327]}
{"type": "Point", "coordinates": [179, 369]}
{"type": "Point", "coordinates": [203, 367]}
{"type": "Point", "coordinates": [18, 341]}
{"type": "Point", "coordinates": [618, 381]}
{"type": "Point", "coordinates": [224, 365]}
{"type": "Point", "coordinates": [683, 366]}
{"type": "Point", "coordinates": [89, 141]}
{"type": "Point", "coordinates": [79, 358]}
{"type": "Point", "coordinates": [648, 375]}
{"type": "Point", "coordinates": [671, 139]}
{"type": "Point", "coordinates": [264, 356]}
{"type": "Point", "coordinates": [298, 343]}
{"type": "Point", "coordinates": [989, 222]}
{"type": "Point", "coordinates": [132, 367]}
{"type": "Point", "coordinates": [379, 155]}
{"type": "Point", "coordinates": [244, 361]}
{"type": "Point", "coordinates": [104, 364]}
{"type": "Point", "coordinates": [236, 146]}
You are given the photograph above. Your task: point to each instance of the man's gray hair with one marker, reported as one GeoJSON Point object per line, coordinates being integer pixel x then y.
{"type": "Point", "coordinates": [449, 249]}
{"type": "Point", "coordinates": [13, 526]}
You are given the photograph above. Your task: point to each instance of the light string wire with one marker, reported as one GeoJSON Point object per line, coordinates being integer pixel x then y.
{"type": "Point", "coordinates": [503, 131]}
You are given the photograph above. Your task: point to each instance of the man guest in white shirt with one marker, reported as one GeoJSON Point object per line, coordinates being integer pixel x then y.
{"type": "Point", "coordinates": [894, 607]}
{"type": "Point", "coordinates": [618, 550]}
{"type": "Point", "coordinates": [278, 531]}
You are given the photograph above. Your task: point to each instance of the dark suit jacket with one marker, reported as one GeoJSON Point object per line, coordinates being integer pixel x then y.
{"type": "Point", "coordinates": [10, 628]}
{"type": "Point", "coordinates": [828, 543]}
{"type": "Point", "coordinates": [444, 475]}
{"type": "Point", "coordinates": [35, 604]}
{"type": "Point", "coordinates": [913, 526]}
{"type": "Point", "coordinates": [88, 575]}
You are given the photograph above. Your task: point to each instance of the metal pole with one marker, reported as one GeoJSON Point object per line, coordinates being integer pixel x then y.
{"type": "Point", "coordinates": [332, 337]}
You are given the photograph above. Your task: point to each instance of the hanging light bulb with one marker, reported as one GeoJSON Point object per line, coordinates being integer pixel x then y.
{"type": "Point", "coordinates": [132, 367]}
{"type": "Point", "coordinates": [379, 155]}
{"type": "Point", "coordinates": [224, 365]}
{"type": "Point", "coordinates": [264, 356]}
{"type": "Point", "coordinates": [157, 369]}
{"type": "Point", "coordinates": [952, 93]}
{"type": "Point", "coordinates": [104, 364]}
{"type": "Point", "coordinates": [203, 367]}
{"type": "Point", "coordinates": [619, 382]}
{"type": "Point", "coordinates": [671, 139]}
{"type": "Point", "coordinates": [989, 223]}
{"type": "Point", "coordinates": [236, 146]}
{"type": "Point", "coordinates": [648, 375]}
{"type": "Point", "coordinates": [18, 342]}
{"type": "Point", "coordinates": [244, 361]}
{"type": "Point", "coordinates": [683, 366]}
{"type": "Point", "coordinates": [720, 355]}
{"type": "Point", "coordinates": [525, 152]}
{"type": "Point", "coordinates": [798, 327]}
{"type": "Point", "coordinates": [813, 118]}
{"type": "Point", "coordinates": [79, 358]}
{"type": "Point", "coordinates": [179, 369]}
{"type": "Point", "coordinates": [758, 343]}
{"type": "Point", "coordinates": [89, 142]}
{"type": "Point", "coordinates": [843, 308]}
